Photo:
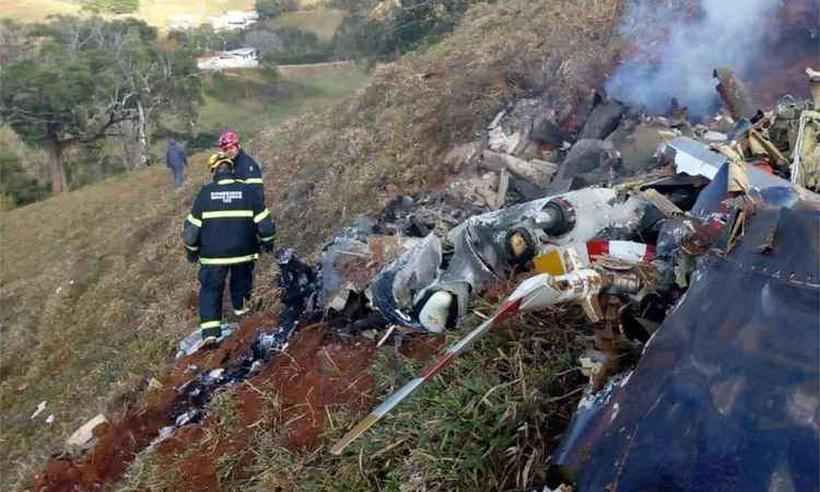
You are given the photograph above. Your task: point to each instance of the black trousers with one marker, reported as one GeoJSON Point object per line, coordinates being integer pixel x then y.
{"type": "Point", "coordinates": [212, 285]}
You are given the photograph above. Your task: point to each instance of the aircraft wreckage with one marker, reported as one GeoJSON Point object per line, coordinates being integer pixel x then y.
{"type": "Point", "coordinates": [700, 260]}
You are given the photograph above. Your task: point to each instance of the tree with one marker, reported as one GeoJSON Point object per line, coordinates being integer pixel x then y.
{"type": "Point", "coordinates": [288, 45]}
{"type": "Point", "coordinates": [399, 26]}
{"type": "Point", "coordinates": [14, 41]}
{"type": "Point", "coordinates": [274, 8]}
{"type": "Point", "coordinates": [16, 186]}
{"type": "Point", "coordinates": [93, 79]}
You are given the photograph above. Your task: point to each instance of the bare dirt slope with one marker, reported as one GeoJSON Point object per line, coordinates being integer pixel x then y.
{"type": "Point", "coordinates": [95, 289]}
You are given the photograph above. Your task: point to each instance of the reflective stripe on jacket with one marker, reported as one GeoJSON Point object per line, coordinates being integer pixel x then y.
{"type": "Point", "coordinates": [227, 222]}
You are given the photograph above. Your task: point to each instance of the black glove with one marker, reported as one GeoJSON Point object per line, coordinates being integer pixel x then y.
{"type": "Point", "coordinates": [267, 247]}
{"type": "Point", "coordinates": [192, 256]}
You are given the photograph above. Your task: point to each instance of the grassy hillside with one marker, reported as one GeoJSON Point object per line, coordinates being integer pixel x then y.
{"type": "Point", "coordinates": [393, 135]}
{"type": "Point", "coordinates": [95, 289]}
{"type": "Point", "coordinates": [93, 295]}
{"type": "Point", "coordinates": [250, 103]}
{"type": "Point", "coordinates": [322, 22]}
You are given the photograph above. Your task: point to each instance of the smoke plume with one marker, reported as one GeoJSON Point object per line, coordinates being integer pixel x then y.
{"type": "Point", "coordinates": [679, 44]}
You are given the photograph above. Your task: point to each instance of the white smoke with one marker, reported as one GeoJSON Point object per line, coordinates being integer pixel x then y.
{"type": "Point", "coordinates": [728, 33]}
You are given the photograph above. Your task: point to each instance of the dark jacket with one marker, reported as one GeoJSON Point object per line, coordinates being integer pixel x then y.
{"type": "Point", "coordinates": [228, 223]}
{"type": "Point", "coordinates": [246, 169]}
{"type": "Point", "coordinates": [175, 157]}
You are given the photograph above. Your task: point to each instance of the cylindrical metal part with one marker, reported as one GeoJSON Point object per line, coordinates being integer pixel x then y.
{"type": "Point", "coordinates": [561, 217]}
{"type": "Point", "coordinates": [622, 283]}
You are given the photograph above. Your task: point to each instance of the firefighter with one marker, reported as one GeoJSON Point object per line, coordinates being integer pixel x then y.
{"type": "Point", "coordinates": [224, 232]}
{"type": "Point", "coordinates": [245, 168]}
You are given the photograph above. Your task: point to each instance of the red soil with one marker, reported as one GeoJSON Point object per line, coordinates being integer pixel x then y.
{"type": "Point", "coordinates": [421, 347]}
{"type": "Point", "coordinates": [293, 395]}
{"type": "Point", "coordinates": [118, 443]}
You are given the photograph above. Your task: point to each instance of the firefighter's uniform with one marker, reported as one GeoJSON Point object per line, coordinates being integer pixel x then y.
{"type": "Point", "coordinates": [248, 171]}
{"type": "Point", "coordinates": [225, 231]}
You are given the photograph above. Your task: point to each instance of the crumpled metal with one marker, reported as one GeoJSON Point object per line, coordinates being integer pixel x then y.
{"type": "Point", "coordinates": [725, 396]}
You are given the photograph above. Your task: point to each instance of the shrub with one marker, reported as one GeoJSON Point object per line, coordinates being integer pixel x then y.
{"type": "Point", "coordinates": [16, 186]}
{"type": "Point", "coordinates": [404, 28]}
{"type": "Point", "coordinates": [288, 45]}
{"type": "Point", "coordinates": [273, 8]}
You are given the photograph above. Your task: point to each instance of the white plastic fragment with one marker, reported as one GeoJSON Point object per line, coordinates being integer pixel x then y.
{"type": "Point", "coordinates": [186, 417]}
{"type": "Point", "coordinates": [215, 374]}
{"type": "Point", "coordinates": [164, 434]}
{"type": "Point", "coordinates": [193, 342]}
{"type": "Point", "coordinates": [83, 438]}
{"type": "Point", "coordinates": [39, 409]}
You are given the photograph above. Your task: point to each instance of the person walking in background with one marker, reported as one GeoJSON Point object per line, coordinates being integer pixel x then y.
{"type": "Point", "coordinates": [176, 161]}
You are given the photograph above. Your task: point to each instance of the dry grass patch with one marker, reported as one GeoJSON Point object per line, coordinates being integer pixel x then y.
{"type": "Point", "coordinates": [94, 297]}
{"type": "Point", "coordinates": [158, 12]}
{"type": "Point", "coordinates": [154, 12]}
{"type": "Point", "coordinates": [322, 22]}
{"type": "Point", "coordinates": [35, 10]}
{"type": "Point", "coordinates": [327, 167]}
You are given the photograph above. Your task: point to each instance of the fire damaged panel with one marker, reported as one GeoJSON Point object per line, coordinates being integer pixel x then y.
{"type": "Point", "coordinates": [727, 393]}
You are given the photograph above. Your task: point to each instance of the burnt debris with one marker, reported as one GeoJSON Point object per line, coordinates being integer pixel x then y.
{"type": "Point", "coordinates": [691, 247]}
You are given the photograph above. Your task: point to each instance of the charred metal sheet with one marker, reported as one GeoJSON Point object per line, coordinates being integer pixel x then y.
{"type": "Point", "coordinates": [603, 120]}
{"type": "Point", "coordinates": [696, 159]}
{"type": "Point", "coordinates": [772, 189]}
{"type": "Point", "coordinates": [727, 393]}
{"type": "Point", "coordinates": [589, 162]}
{"type": "Point", "coordinates": [734, 93]}
{"type": "Point", "coordinates": [349, 264]}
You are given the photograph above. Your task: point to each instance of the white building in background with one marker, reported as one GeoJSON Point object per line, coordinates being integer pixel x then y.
{"type": "Point", "coordinates": [233, 20]}
{"type": "Point", "coordinates": [241, 58]}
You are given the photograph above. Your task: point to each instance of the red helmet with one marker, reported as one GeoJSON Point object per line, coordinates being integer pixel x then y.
{"type": "Point", "coordinates": [228, 138]}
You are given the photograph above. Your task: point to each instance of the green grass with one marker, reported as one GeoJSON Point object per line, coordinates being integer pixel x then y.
{"type": "Point", "coordinates": [263, 106]}
{"type": "Point", "coordinates": [322, 22]}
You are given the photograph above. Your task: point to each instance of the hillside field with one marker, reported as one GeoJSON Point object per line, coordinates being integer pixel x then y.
{"type": "Point", "coordinates": [158, 12]}
{"type": "Point", "coordinates": [253, 103]}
